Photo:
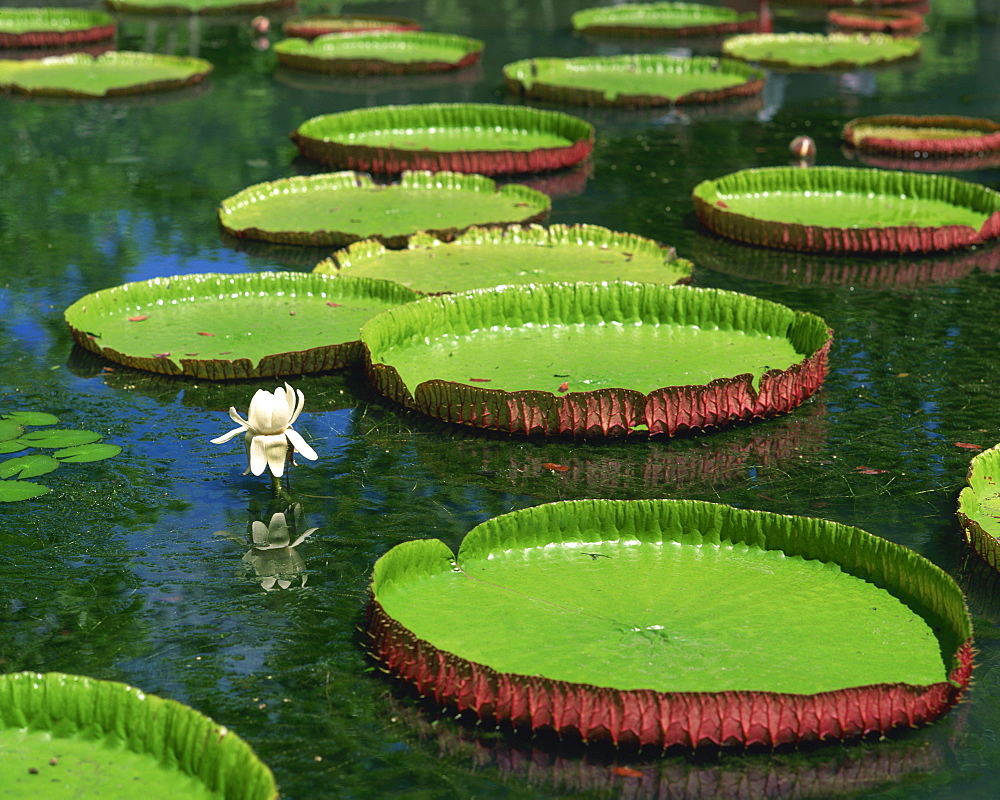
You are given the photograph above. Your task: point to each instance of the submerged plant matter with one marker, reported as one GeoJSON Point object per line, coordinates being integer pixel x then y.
{"type": "Point", "coordinates": [270, 438]}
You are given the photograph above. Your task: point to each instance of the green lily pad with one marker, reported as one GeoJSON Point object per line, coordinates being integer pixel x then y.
{"type": "Point", "coordinates": [523, 358]}
{"type": "Point", "coordinates": [820, 51]}
{"type": "Point", "coordinates": [30, 466]}
{"type": "Point", "coordinates": [11, 446]}
{"type": "Point", "coordinates": [844, 210]}
{"type": "Point", "coordinates": [12, 492]}
{"type": "Point", "coordinates": [380, 53]}
{"type": "Point", "coordinates": [344, 207]}
{"type": "Point", "coordinates": [53, 27]}
{"type": "Point", "coordinates": [483, 257]}
{"type": "Point", "coordinates": [58, 438]}
{"type": "Point", "coordinates": [314, 25]}
{"type": "Point", "coordinates": [68, 736]}
{"type": "Point", "coordinates": [195, 6]}
{"type": "Point", "coordinates": [86, 453]}
{"type": "Point", "coordinates": [662, 19]}
{"type": "Point", "coordinates": [633, 80]}
{"type": "Point", "coordinates": [670, 622]}
{"type": "Point", "coordinates": [222, 327]}
{"type": "Point", "coordinates": [10, 428]}
{"type": "Point", "coordinates": [979, 506]}
{"type": "Point", "coordinates": [477, 138]}
{"type": "Point", "coordinates": [29, 418]}
{"type": "Point", "coordinates": [110, 74]}
{"type": "Point", "coordinates": [924, 137]}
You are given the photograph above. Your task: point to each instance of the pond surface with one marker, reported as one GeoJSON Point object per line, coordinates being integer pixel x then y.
{"type": "Point", "coordinates": [138, 568]}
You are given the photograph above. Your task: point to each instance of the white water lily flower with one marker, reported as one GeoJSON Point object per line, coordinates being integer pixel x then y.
{"type": "Point", "coordinates": [268, 429]}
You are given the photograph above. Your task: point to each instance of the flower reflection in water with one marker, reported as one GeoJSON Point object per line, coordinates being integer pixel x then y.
{"type": "Point", "coordinates": [272, 555]}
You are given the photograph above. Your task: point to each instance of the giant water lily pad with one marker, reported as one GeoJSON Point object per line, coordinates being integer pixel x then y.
{"type": "Point", "coordinates": [460, 137]}
{"type": "Point", "coordinates": [820, 51]}
{"type": "Point", "coordinates": [901, 22]}
{"type": "Point", "coordinates": [380, 53]}
{"type": "Point", "coordinates": [633, 80]}
{"type": "Point", "coordinates": [314, 25]}
{"type": "Point", "coordinates": [483, 257]}
{"type": "Point", "coordinates": [979, 506]}
{"type": "Point", "coordinates": [53, 27]}
{"type": "Point", "coordinates": [195, 6]}
{"type": "Point", "coordinates": [662, 19]}
{"type": "Point", "coordinates": [232, 326]}
{"type": "Point", "coordinates": [670, 622]}
{"type": "Point", "coordinates": [836, 209]}
{"type": "Point", "coordinates": [344, 207]}
{"type": "Point", "coordinates": [68, 736]}
{"type": "Point", "coordinates": [924, 137]}
{"type": "Point", "coordinates": [596, 359]}
{"type": "Point", "coordinates": [110, 74]}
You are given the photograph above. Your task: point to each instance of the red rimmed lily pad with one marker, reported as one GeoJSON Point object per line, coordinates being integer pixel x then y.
{"type": "Point", "coordinates": [662, 19]}
{"type": "Point", "coordinates": [820, 51]}
{"type": "Point", "coordinates": [73, 736]}
{"type": "Point", "coordinates": [53, 27]}
{"type": "Point", "coordinates": [596, 359]}
{"type": "Point", "coordinates": [633, 80]}
{"type": "Point", "coordinates": [919, 138]}
{"type": "Point", "coordinates": [195, 6]}
{"type": "Point", "coordinates": [700, 624]}
{"type": "Point", "coordinates": [314, 25]}
{"type": "Point", "coordinates": [979, 506]}
{"type": "Point", "coordinates": [846, 210]}
{"type": "Point", "coordinates": [459, 137]}
{"type": "Point", "coordinates": [221, 327]}
{"type": "Point", "coordinates": [380, 53]}
{"type": "Point", "coordinates": [484, 257]}
{"type": "Point", "coordinates": [898, 21]}
{"type": "Point", "coordinates": [344, 207]}
{"type": "Point", "coordinates": [111, 74]}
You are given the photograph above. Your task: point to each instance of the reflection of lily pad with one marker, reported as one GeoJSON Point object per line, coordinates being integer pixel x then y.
{"type": "Point", "coordinates": [231, 326]}
{"type": "Point", "coordinates": [596, 359]}
{"type": "Point", "coordinates": [459, 137]}
{"type": "Point", "coordinates": [662, 19]}
{"type": "Point", "coordinates": [343, 207]}
{"type": "Point", "coordinates": [979, 506]}
{"type": "Point", "coordinates": [819, 51]}
{"type": "Point", "coordinates": [195, 6]}
{"type": "Point", "coordinates": [483, 257]}
{"type": "Point", "coordinates": [321, 24]}
{"type": "Point", "coordinates": [72, 736]}
{"type": "Point", "coordinates": [837, 209]}
{"type": "Point", "coordinates": [924, 137]}
{"type": "Point", "coordinates": [633, 80]}
{"type": "Point", "coordinates": [902, 22]}
{"type": "Point", "coordinates": [380, 53]}
{"type": "Point", "coordinates": [53, 27]}
{"type": "Point", "coordinates": [110, 74]}
{"type": "Point", "coordinates": [671, 622]}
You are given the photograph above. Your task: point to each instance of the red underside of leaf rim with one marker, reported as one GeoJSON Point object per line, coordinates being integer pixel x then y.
{"type": "Point", "coordinates": [648, 718]}
{"type": "Point", "coordinates": [371, 66]}
{"type": "Point", "coordinates": [57, 38]}
{"type": "Point", "coordinates": [746, 25]}
{"type": "Point", "coordinates": [312, 27]}
{"type": "Point", "coordinates": [892, 21]}
{"type": "Point", "coordinates": [960, 146]}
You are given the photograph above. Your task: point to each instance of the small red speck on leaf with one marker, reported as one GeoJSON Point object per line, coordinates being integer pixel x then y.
{"type": "Point", "coordinates": [564, 387]}
{"type": "Point", "coordinates": [192, 355]}
{"type": "Point", "coordinates": [721, 204]}
{"type": "Point", "coordinates": [869, 470]}
{"type": "Point", "coordinates": [332, 304]}
{"type": "Point", "coordinates": [205, 333]}
{"type": "Point", "coordinates": [107, 369]}
{"type": "Point", "coordinates": [555, 467]}
{"type": "Point", "coordinates": [627, 772]}
{"type": "Point", "coordinates": [139, 318]}
{"type": "Point", "coordinates": [480, 380]}
{"type": "Point", "coordinates": [968, 446]}
{"type": "Point", "coordinates": [161, 355]}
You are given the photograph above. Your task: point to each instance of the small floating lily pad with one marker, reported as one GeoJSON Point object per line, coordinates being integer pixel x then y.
{"type": "Point", "coordinates": [845, 210]}
{"type": "Point", "coordinates": [820, 51]}
{"type": "Point", "coordinates": [924, 137]}
{"type": "Point", "coordinates": [321, 24]}
{"type": "Point", "coordinates": [458, 137]}
{"type": "Point", "coordinates": [232, 326]}
{"type": "Point", "coordinates": [662, 19]}
{"type": "Point", "coordinates": [53, 27]}
{"type": "Point", "coordinates": [380, 53]}
{"type": "Point", "coordinates": [670, 622]}
{"type": "Point", "coordinates": [483, 257]}
{"type": "Point", "coordinates": [979, 506]}
{"type": "Point", "coordinates": [633, 80]}
{"type": "Point", "coordinates": [900, 22]}
{"type": "Point", "coordinates": [575, 358]}
{"type": "Point", "coordinates": [72, 736]}
{"type": "Point", "coordinates": [110, 74]}
{"type": "Point", "coordinates": [195, 6]}
{"type": "Point", "coordinates": [344, 207]}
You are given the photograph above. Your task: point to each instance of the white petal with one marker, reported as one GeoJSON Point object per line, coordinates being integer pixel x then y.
{"type": "Point", "coordinates": [227, 436]}
{"type": "Point", "coordinates": [235, 417]}
{"type": "Point", "coordinates": [297, 406]}
{"type": "Point", "coordinates": [256, 460]}
{"type": "Point", "coordinates": [258, 531]}
{"type": "Point", "coordinates": [274, 449]}
{"type": "Point", "coordinates": [300, 445]}
{"type": "Point", "coordinates": [262, 412]}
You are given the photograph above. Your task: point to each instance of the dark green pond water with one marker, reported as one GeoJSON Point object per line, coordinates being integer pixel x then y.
{"type": "Point", "coordinates": [134, 568]}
